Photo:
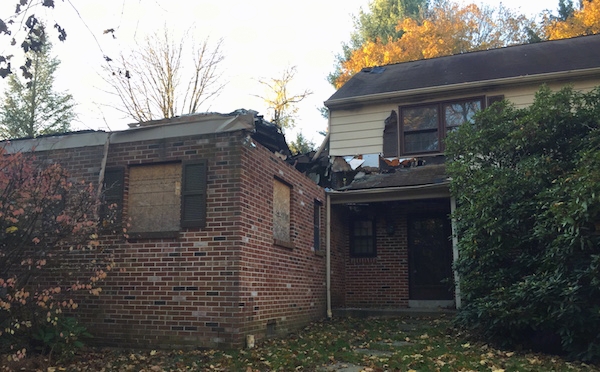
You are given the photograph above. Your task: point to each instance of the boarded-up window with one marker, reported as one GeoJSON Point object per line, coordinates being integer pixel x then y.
{"type": "Point", "coordinates": [281, 212]}
{"type": "Point", "coordinates": [154, 198]}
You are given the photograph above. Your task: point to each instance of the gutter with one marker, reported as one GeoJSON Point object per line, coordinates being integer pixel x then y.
{"type": "Point", "coordinates": [433, 190]}
{"type": "Point", "coordinates": [372, 98]}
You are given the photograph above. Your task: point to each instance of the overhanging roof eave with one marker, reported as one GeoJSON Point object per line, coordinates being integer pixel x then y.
{"type": "Point", "coordinates": [397, 193]}
{"type": "Point", "coordinates": [513, 80]}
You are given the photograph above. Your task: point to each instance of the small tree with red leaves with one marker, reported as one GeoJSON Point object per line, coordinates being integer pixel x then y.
{"type": "Point", "coordinates": [49, 252]}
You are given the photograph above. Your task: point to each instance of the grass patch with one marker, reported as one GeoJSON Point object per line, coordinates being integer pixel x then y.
{"type": "Point", "coordinates": [375, 344]}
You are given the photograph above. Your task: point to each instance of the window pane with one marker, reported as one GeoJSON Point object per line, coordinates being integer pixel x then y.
{"type": "Point", "coordinates": [421, 142]}
{"type": "Point", "coordinates": [363, 246]}
{"type": "Point", "coordinates": [363, 228]}
{"type": "Point", "coordinates": [419, 118]}
{"type": "Point", "coordinates": [362, 238]}
{"type": "Point", "coordinates": [460, 112]}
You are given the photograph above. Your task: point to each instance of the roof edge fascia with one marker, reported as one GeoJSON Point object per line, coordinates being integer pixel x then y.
{"type": "Point", "coordinates": [514, 80]}
{"type": "Point", "coordinates": [427, 191]}
{"type": "Point", "coordinates": [143, 133]}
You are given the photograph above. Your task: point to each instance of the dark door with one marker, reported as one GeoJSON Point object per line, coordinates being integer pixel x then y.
{"type": "Point", "coordinates": [430, 258]}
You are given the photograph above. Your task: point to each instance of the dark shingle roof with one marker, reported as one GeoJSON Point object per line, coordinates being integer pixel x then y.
{"type": "Point", "coordinates": [414, 176]}
{"type": "Point", "coordinates": [530, 59]}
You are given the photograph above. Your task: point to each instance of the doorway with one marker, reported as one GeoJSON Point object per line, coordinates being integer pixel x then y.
{"type": "Point", "coordinates": [430, 258]}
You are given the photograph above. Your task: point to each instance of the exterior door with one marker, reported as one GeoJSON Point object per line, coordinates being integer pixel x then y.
{"type": "Point", "coordinates": [430, 258]}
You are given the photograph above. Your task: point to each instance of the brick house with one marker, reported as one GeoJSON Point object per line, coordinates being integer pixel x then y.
{"type": "Point", "coordinates": [227, 239]}
{"type": "Point", "coordinates": [390, 244]}
{"type": "Point", "coordinates": [224, 239]}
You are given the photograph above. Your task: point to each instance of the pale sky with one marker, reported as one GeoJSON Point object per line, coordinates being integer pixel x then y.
{"type": "Point", "coordinates": [260, 39]}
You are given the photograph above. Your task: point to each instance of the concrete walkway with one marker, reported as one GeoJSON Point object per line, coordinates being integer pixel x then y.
{"type": "Point", "coordinates": [373, 351]}
{"type": "Point", "coordinates": [377, 349]}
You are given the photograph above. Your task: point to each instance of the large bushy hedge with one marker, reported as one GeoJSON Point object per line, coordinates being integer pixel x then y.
{"type": "Point", "coordinates": [527, 185]}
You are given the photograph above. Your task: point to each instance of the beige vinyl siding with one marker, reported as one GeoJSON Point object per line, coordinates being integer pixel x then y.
{"type": "Point", "coordinates": [524, 96]}
{"type": "Point", "coordinates": [357, 132]}
{"type": "Point", "coordinates": [360, 131]}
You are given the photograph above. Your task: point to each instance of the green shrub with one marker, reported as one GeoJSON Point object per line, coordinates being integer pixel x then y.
{"type": "Point", "coordinates": [62, 338]}
{"type": "Point", "coordinates": [527, 185]}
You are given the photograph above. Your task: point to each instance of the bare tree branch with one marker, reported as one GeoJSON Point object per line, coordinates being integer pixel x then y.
{"type": "Point", "coordinates": [281, 104]}
{"type": "Point", "coordinates": [153, 82]}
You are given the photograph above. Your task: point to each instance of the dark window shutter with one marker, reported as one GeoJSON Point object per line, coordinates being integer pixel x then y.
{"type": "Point", "coordinates": [493, 99]}
{"type": "Point", "coordinates": [193, 194]}
{"type": "Point", "coordinates": [317, 225]}
{"type": "Point", "coordinates": [390, 136]}
{"type": "Point", "coordinates": [113, 195]}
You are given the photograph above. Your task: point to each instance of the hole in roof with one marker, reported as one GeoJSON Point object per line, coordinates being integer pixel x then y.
{"type": "Point", "coordinates": [373, 70]}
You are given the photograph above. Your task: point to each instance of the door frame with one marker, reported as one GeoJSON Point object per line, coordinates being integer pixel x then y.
{"type": "Point", "coordinates": [442, 297]}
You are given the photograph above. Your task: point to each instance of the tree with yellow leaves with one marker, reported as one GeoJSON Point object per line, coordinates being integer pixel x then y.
{"type": "Point", "coordinates": [378, 23]}
{"type": "Point", "coordinates": [585, 21]}
{"type": "Point", "coordinates": [282, 104]}
{"type": "Point", "coordinates": [447, 28]}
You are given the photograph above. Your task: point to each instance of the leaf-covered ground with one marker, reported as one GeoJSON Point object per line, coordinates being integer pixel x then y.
{"type": "Point", "coordinates": [374, 344]}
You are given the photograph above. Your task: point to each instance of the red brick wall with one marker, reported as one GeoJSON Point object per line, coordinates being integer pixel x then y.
{"type": "Point", "coordinates": [282, 288]}
{"type": "Point", "coordinates": [376, 282]}
{"type": "Point", "coordinates": [381, 281]}
{"type": "Point", "coordinates": [339, 253]}
{"type": "Point", "coordinates": [209, 286]}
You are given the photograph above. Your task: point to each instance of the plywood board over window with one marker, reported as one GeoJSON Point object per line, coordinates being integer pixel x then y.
{"type": "Point", "coordinates": [281, 213]}
{"type": "Point", "coordinates": [155, 198]}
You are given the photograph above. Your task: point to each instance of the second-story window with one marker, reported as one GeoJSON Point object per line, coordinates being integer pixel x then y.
{"type": "Point", "coordinates": [424, 127]}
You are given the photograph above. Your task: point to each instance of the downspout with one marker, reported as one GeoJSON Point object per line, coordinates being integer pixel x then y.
{"type": "Point", "coordinates": [328, 254]}
{"type": "Point", "coordinates": [102, 171]}
{"type": "Point", "coordinates": [455, 253]}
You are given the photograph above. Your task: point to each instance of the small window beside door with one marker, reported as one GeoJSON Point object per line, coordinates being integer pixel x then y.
{"type": "Point", "coordinates": [362, 238]}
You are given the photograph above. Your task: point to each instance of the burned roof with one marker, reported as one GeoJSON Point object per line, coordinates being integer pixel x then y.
{"type": "Point", "coordinates": [270, 136]}
{"type": "Point", "coordinates": [263, 132]}
{"type": "Point", "coordinates": [401, 177]}
{"type": "Point", "coordinates": [580, 53]}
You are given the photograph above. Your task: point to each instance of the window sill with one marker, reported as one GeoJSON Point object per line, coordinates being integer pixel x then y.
{"type": "Point", "coordinates": [320, 253]}
{"type": "Point", "coordinates": [425, 154]}
{"type": "Point", "coordinates": [283, 243]}
{"type": "Point", "coordinates": [363, 259]}
{"type": "Point", "coordinates": [153, 235]}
